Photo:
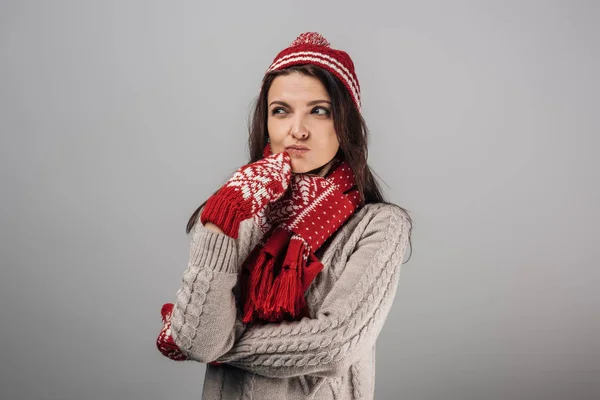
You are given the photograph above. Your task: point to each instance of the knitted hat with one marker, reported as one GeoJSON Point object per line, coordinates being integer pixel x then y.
{"type": "Point", "coordinates": [312, 48]}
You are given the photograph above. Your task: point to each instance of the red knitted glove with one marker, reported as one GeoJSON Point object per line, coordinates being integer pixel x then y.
{"type": "Point", "coordinates": [165, 343]}
{"type": "Point", "coordinates": [247, 192]}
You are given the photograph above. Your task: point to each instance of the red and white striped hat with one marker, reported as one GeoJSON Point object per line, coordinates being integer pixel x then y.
{"type": "Point", "coordinates": [313, 48]}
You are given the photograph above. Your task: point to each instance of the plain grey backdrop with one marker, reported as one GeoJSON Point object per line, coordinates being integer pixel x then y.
{"type": "Point", "coordinates": [118, 118]}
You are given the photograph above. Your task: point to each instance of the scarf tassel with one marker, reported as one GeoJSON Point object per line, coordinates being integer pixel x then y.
{"type": "Point", "coordinates": [285, 297]}
{"type": "Point", "coordinates": [275, 295]}
{"type": "Point", "coordinates": [260, 274]}
{"type": "Point", "coordinates": [252, 291]}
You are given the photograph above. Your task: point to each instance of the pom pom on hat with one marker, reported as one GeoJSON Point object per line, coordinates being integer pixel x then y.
{"type": "Point", "coordinates": [313, 48]}
{"type": "Point", "coordinates": [310, 38]}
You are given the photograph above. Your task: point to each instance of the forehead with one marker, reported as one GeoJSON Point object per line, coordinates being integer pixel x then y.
{"type": "Point", "coordinates": [297, 86]}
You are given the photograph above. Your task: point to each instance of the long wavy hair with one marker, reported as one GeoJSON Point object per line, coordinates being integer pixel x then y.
{"type": "Point", "coordinates": [350, 127]}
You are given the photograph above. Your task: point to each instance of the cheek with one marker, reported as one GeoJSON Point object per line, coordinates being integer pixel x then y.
{"type": "Point", "coordinates": [329, 143]}
{"type": "Point", "coordinates": [276, 135]}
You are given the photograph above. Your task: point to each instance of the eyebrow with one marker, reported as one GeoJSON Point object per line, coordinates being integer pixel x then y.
{"type": "Point", "coordinates": [310, 103]}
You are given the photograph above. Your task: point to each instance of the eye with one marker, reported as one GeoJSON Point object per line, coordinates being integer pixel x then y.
{"type": "Point", "coordinates": [320, 111]}
{"type": "Point", "coordinates": [277, 111]}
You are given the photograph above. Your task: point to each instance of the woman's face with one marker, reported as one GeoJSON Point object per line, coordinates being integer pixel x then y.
{"type": "Point", "coordinates": [300, 121]}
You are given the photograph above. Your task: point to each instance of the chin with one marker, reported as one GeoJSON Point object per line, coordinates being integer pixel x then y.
{"type": "Point", "coordinates": [301, 167]}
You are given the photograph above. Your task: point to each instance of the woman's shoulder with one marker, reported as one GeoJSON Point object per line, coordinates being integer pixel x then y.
{"type": "Point", "coordinates": [381, 224]}
{"type": "Point", "coordinates": [384, 214]}
{"type": "Point", "coordinates": [377, 224]}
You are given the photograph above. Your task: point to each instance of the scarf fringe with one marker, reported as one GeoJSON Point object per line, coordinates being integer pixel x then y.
{"type": "Point", "coordinates": [273, 295]}
{"type": "Point", "coordinates": [285, 295]}
{"type": "Point", "coordinates": [253, 288]}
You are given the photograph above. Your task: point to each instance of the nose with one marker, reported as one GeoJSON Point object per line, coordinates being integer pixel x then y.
{"type": "Point", "coordinates": [298, 129]}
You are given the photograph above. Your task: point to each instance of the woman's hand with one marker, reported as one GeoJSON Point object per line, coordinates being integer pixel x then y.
{"type": "Point", "coordinates": [164, 342]}
{"type": "Point", "coordinates": [247, 192]}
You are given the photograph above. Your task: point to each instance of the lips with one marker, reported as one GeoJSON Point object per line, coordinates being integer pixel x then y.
{"type": "Point", "coordinates": [296, 147]}
{"type": "Point", "coordinates": [297, 150]}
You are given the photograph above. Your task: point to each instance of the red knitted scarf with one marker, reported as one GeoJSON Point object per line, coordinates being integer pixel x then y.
{"type": "Point", "coordinates": [279, 270]}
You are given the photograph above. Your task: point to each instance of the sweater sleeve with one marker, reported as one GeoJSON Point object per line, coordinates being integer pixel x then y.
{"type": "Point", "coordinates": [204, 323]}
{"type": "Point", "coordinates": [349, 320]}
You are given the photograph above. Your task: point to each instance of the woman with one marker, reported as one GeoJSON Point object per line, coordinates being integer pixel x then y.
{"type": "Point", "coordinates": [294, 262]}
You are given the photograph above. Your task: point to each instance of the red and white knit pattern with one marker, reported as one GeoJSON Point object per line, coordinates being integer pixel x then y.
{"type": "Point", "coordinates": [248, 192]}
{"type": "Point", "coordinates": [316, 207]}
{"type": "Point", "coordinates": [261, 220]}
{"type": "Point", "coordinates": [256, 180]}
{"type": "Point", "coordinates": [313, 48]}
{"type": "Point", "coordinates": [325, 61]}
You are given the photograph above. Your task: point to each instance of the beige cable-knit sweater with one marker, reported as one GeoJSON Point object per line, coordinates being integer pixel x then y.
{"type": "Point", "coordinates": [329, 355]}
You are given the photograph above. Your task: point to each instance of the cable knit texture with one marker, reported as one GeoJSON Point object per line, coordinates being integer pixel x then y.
{"type": "Point", "coordinates": [328, 355]}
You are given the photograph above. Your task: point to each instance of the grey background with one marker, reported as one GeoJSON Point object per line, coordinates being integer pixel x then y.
{"type": "Point", "coordinates": [118, 118]}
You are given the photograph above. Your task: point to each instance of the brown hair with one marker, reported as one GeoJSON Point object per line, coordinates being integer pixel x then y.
{"type": "Point", "coordinates": [349, 125]}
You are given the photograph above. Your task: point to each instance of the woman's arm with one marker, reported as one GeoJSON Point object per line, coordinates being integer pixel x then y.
{"type": "Point", "coordinates": [349, 320]}
{"type": "Point", "coordinates": [204, 321]}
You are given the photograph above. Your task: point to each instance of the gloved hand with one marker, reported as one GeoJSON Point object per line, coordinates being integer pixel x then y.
{"type": "Point", "coordinates": [247, 192]}
{"type": "Point", "coordinates": [165, 343]}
